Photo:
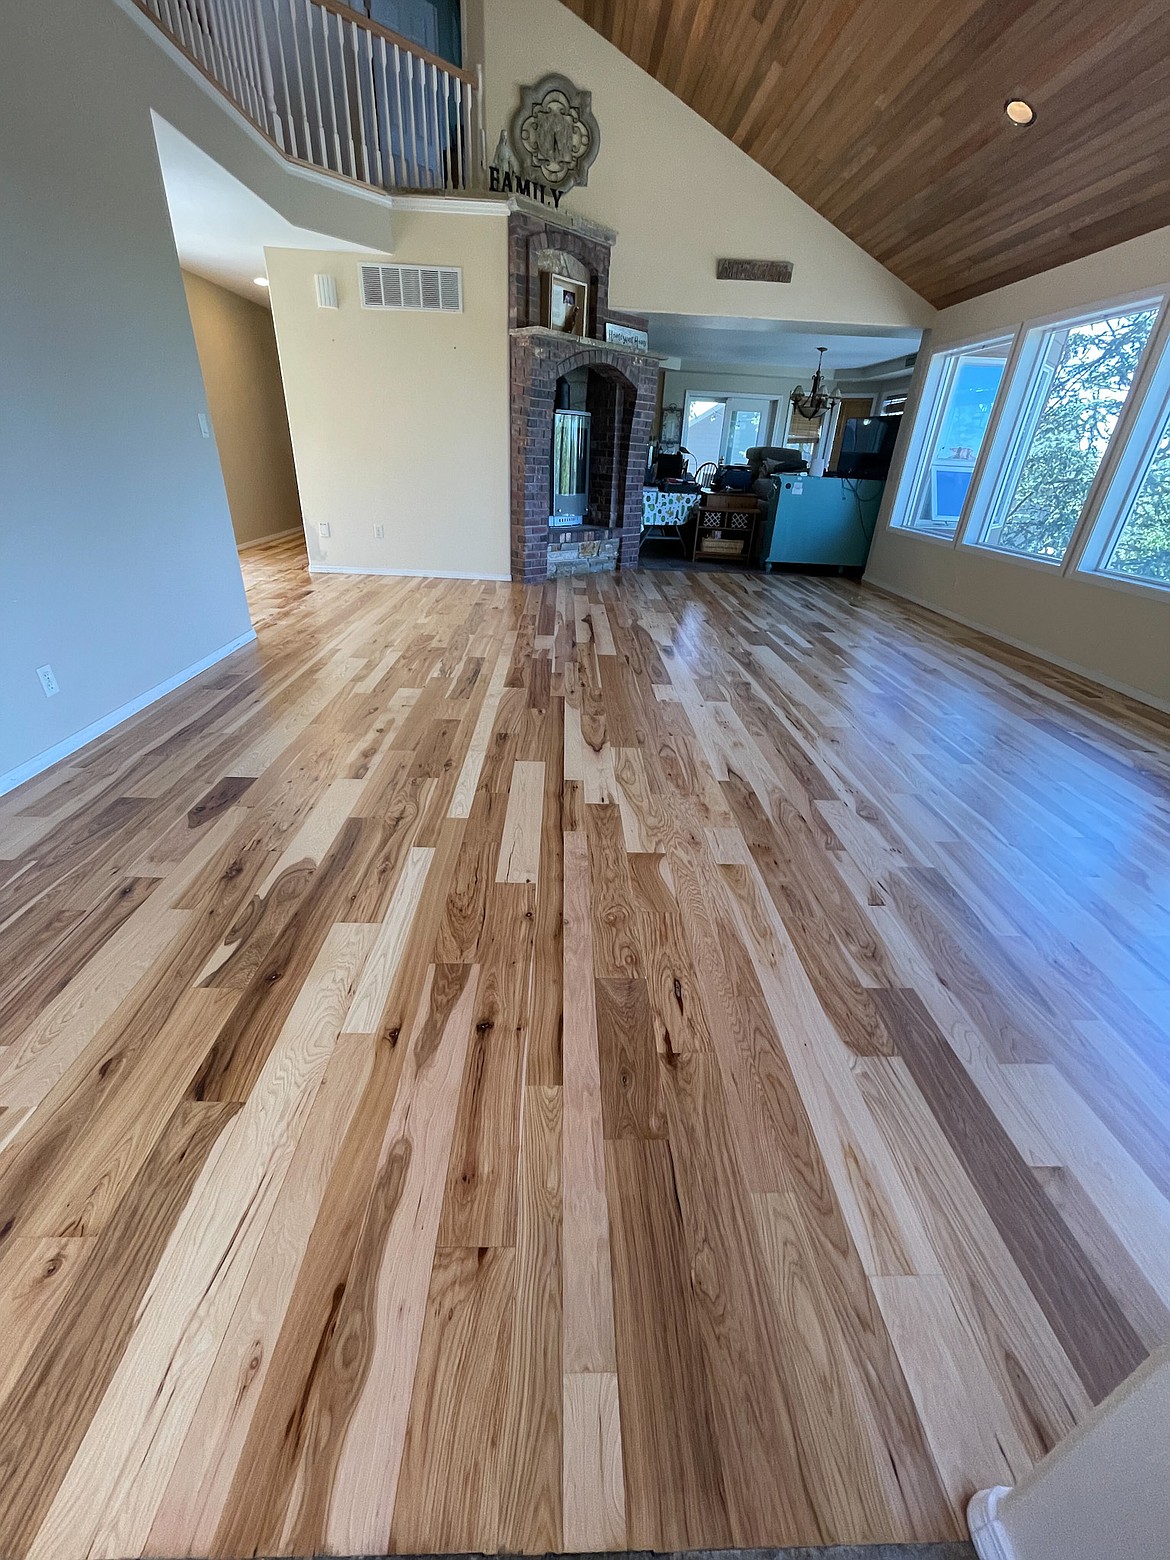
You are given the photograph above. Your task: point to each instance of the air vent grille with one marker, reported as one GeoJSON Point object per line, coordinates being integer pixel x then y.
{"type": "Point", "coordinates": [432, 288]}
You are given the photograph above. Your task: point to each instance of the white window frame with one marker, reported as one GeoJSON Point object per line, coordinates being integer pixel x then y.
{"type": "Point", "coordinates": [1010, 434]}
{"type": "Point", "coordinates": [927, 415]}
{"type": "Point", "coordinates": [1143, 422]}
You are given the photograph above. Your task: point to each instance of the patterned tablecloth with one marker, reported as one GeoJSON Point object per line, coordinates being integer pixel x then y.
{"type": "Point", "coordinates": [662, 508]}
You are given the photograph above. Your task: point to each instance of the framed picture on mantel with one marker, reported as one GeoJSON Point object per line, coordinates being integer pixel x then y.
{"type": "Point", "coordinates": [564, 304]}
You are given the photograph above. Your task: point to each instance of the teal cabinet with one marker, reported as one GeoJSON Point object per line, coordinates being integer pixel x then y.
{"type": "Point", "coordinates": [821, 520]}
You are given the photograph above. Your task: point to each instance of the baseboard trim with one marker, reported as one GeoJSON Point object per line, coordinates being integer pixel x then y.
{"type": "Point", "coordinates": [272, 536]}
{"type": "Point", "coordinates": [407, 574]}
{"type": "Point", "coordinates": [1137, 694]}
{"type": "Point", "coordinates": [988, 1534]}
{"type": "Point", "coordinates": [98, 728]}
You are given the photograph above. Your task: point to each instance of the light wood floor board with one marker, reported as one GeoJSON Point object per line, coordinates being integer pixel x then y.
{"type": "Point", "coordinates": [672, 1060]}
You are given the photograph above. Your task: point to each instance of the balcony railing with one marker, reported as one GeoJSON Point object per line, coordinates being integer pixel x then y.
{"type": "Point", "coordinates": [333, 90]}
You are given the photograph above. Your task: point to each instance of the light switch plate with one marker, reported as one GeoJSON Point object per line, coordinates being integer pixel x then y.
{"type": "Point", "coordinates": [323, 530]}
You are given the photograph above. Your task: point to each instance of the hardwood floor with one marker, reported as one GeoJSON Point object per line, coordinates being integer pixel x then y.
{"type": "Point", "coordinates": [669, 1061]}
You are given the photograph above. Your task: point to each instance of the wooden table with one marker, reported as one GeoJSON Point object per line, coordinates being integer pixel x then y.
{"type": "Point", "coordinates": [723, 527]}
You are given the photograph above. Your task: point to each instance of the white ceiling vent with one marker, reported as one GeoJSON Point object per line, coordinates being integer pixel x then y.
{"type": "Point", "coordinates": [429, 287]}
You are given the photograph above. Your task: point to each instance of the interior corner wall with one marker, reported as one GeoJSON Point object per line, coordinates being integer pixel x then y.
{"type": "Point", "coordinates": [119, 566]}
{"type": "Point", "coordinates": [1115, 633]}
{"type": "Point", "coordinates": [399, 418]}
{"type": "Point", "coordinates": [679, 193]}
{"type": "Point", "coordinates": [241, 375]}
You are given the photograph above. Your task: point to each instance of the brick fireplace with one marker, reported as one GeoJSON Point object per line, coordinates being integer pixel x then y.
{"type": "Point", "coordinates": [621, 396]}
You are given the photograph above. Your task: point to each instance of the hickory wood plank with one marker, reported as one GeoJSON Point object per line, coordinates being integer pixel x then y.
{"type": "Point", "coordinates": [587, 1324]}
{"type": "Point", "coordinates": [480, 1196]}
{"type": "Point", "coordinates": [760, 1435]}
{"type": "Point", "coordinates": [64, 1379]}
{"type": "Point", "coordinates": [449, 1491]}
{"type": "Point", "coordinates": [192, 1503]}
{"type": "Point", "coordinates": [883, 1219]}
{"type": "Point", "coordinates": [968, 1426]}
{"type": "Point", "coordinates": [869, 1466]}
{"type": "Point", "coordinates": [389, 945]}
{"type": "Point", "coordinates": [593, 1494]}
{"type": "Point", "coordinates": [529, 1471]}
{"type": "Point", "coordinates": [1093, 1330]}
{"type": "Point", "coordinates": [674, 1480]}
{"type": "Point", "coordinates": [60, 1034]}
{"type": "Point", "coordinates": [1033, 1374]}
{"type": "Point", "coordinates": [111, 1493]}
{"type": "Point", "coordinates": [350, 1491]}
{"type": "Point", "coordinates": [520, 844]}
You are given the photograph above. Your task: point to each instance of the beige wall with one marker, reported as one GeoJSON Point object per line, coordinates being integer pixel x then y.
{"type": "Point", "coordinates": [400, 419]}
{"type": "Point", "coordinates": [1115, 632]}
{"type": "Point", "coordinates": [679, 193]}
{"type": "Point", "coordinates": [1104, 1490]}
{"type": "Point", "coordinates": [241, 374]}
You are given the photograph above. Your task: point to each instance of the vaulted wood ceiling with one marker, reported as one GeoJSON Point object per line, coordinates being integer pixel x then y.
{"type": "Point", "coordinates": [887, 117]}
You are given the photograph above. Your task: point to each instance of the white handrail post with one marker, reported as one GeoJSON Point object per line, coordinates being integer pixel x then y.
{"type": "Point", "coordinates": [267, 80]}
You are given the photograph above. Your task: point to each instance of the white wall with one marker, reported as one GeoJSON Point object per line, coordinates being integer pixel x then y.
{"type": "Point", "coordinates": [401, 419]}
{"type": "Point", "coordinates": [241, 375]}
{"type": "Point", "coordinates": [679, 193]}
{"type": "Point", "coordinates": [119, 564]}
{"type": "Point", "coordinates": [1116, 633]}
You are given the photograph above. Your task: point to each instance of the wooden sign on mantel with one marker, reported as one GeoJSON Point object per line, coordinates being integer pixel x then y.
{"type": "Point", "coordinates": [753, 270]}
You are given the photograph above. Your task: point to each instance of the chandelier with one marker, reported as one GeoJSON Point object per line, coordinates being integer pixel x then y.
{"type": "Point", "coordinates": [818, 400]}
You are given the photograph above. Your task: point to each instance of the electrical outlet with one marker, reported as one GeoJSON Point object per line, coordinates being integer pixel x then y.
{"type": "Point", "coordinates": [204, 425]}
{"type": "Point", "coordinates": [323, 530]}
{"type": "Point", "coordinates": [379, 533]}
{"type": "Point", "coordinates": [48, 681]}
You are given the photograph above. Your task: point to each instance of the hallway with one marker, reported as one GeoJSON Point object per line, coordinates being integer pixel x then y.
{"type": "Point", "coordinates": [668, 1060]}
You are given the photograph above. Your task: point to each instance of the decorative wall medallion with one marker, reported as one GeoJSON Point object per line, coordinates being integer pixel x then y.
{"type": "Point", "coordinates": [554, 136]}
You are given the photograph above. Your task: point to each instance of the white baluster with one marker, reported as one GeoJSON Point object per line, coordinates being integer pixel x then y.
{"type": "Point", "coordinates": [460, 139]}
{"type": "Point", "coordinates": [267, 82]}
{"type": "Point", "coordinates": [346, 109]}
{"type": "Point", "coordinates": [327, 87]}
{"type": "Point", "coordinates": [415, 181]}
{"type": "Point", "coordinates": [290, 8]}
{"type": "Point", "coordinates": [403, 177]}
{"type": "Point", "coordinates": [375, 120]}
{"type": "Point", "coordinates": [316, 82]}
{"type": "Point", "coordinates": [448, 138]}
{"type": "Point", "coordinates": [283, 63]}
{"type": "Point", "coordinates": [248, 71]}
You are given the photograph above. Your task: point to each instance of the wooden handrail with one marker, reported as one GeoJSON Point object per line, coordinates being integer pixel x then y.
{"type": "Point", "coordinates": [348, 14]}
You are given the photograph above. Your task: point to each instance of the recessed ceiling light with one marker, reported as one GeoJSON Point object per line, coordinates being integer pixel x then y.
{"type": "Point", "coordinates": [1019, 112]}
{"type": "Point", "coordinates": [261, 281]}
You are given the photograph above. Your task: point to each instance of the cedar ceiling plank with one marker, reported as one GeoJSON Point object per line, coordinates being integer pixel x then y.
{"type": "Point", "coordinates": [888, 119]}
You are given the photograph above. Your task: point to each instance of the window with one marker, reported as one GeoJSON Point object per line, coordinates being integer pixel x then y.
{"type": "Point", "coordinates": [722, 428]}
{"type": "Point", "coordinates": [1140, 547]}
{"type": "Point", "coordinates": [1076, 392]}
{"type": "Point", "coordinates": [959, 397]}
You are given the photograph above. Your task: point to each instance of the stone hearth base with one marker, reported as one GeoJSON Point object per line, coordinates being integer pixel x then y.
{"type": "Point", "coordinates": [577, 552]}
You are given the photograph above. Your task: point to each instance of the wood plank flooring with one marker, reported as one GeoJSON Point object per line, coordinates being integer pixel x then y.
{"type": "Point", "coordinates": [677, 1060]}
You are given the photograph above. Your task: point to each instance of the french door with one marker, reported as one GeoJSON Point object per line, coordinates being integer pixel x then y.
{"type": "Point", "coordinates": [722, 428]}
